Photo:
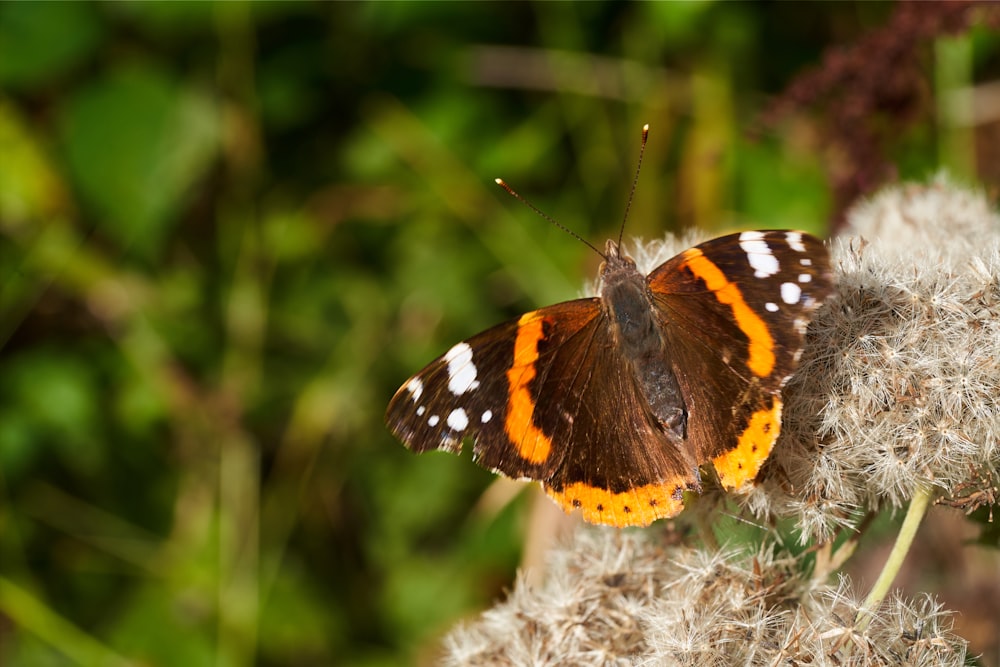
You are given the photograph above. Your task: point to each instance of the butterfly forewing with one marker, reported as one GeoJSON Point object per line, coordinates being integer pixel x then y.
{"type": "Point", "coordinates": [734, 311]}
{"type": "Point", "coordinates": [487, 387]}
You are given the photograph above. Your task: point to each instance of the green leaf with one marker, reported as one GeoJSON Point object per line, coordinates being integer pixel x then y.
{"type": "Point", "coordinates": [29, 183]}
{"type": "Point", "coordinates": [49, 399]}
{"type": "Point", "coordinates": [136, 142]}
{"type": "Point", "coordinates": [40, 40]}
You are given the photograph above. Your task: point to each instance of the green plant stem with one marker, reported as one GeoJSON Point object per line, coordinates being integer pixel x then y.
{"type": "Point", "coordinates": [914, 515]}
{"type": "Point", "coordinates": [33, 615]}
{"type": "Point", "coordinates": [953, 62]}
{"type": "Point", "coordinates": [701, 522]}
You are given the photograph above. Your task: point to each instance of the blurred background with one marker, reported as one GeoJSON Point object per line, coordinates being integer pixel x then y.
{"type": "Point", "coordinates": [229, 231]}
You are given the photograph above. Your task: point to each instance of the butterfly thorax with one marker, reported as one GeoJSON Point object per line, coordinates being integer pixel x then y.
{"type": "Point", "coordinates": [628, 303]}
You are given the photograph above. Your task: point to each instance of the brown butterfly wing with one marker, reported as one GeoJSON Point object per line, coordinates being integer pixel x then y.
{"type": "Point", "coordinates": [734, 312]}
{"type": "Point", "coordinates": [546, 397]}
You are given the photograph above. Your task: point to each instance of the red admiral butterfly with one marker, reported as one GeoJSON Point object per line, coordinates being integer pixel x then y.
{"type": "Point", "coordinates": [614, 402]}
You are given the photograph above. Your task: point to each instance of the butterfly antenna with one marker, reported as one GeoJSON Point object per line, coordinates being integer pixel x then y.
{"type": "Point", "coordinates": [635, 181]}
{"type": "Point", "coordinates": [534, 208]}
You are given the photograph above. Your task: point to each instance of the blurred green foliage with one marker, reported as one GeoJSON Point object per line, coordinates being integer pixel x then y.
{"type": "Point", "coordinates": [229, 231]}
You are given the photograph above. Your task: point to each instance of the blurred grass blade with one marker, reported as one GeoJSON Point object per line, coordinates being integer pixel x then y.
{"type": "Point", "coordinates": [27, 611]}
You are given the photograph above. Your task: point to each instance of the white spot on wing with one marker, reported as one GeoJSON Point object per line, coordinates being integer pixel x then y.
{"type": "Point", "coordinates": [795, 241]}
{"type": "Point", "coordinates": [421, 410]}
{"type": "Point", "coordinates": [790, 293]}
{"type": "Point", "coordinates": [761, 259]}
{"type": "Point", "coordinates": [461, 370]}
{"type": "Point", "coordinates": [488, 415]}
{"type": "Point", "coordinates": [771, 307]}
{"type": "Point", "coordinates": [805, 261]}
{"type": "Point", "coordinates": [458, 420]}
{"type": "Point", "coordinates": [416, 388]}
{"type": "Point", "coordinates": [804, 277]}
{"type": "Point", "coordinates": [433, 420]}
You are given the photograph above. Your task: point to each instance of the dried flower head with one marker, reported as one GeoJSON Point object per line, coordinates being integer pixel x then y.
{"type": "Point", "coordinates": [619, 598]}
{"type": "Point", "coordinates": [898, 384]}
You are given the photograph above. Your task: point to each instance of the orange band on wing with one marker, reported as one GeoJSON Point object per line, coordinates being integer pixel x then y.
{"type": "Point", "coordinates": [741, 464]}
{"type": "Point", "coordinates": [531, 443]}
{"type": "Point", "coordinates": [761, 347]}
{"type": "Point", "coordinates": [640, 506]}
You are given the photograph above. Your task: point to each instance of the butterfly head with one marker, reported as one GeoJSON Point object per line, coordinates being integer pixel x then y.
{"type": "Point", "coordinates": [616, 267]}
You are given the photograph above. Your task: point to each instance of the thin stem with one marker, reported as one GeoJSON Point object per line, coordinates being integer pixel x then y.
{"type": "Point", "coordinates": [914, 515]}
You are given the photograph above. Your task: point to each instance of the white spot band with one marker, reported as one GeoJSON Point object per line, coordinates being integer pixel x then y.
{"type": "Point", "coordinates": [458, 420]}
{"type": "Point", "coordinates": [761, 259]}
{"type": "Point", "coordinates": [416, 388]}
{"type": "Point", "coordinates": [461, 370]}
{"type": "Point", "coordinates": [795, 241]}
{"type": "Point", "coordinates": [790, 293]}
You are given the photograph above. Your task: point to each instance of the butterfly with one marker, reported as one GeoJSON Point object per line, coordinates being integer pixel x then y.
{"type": "Point", "coordinates": [614, 403]}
